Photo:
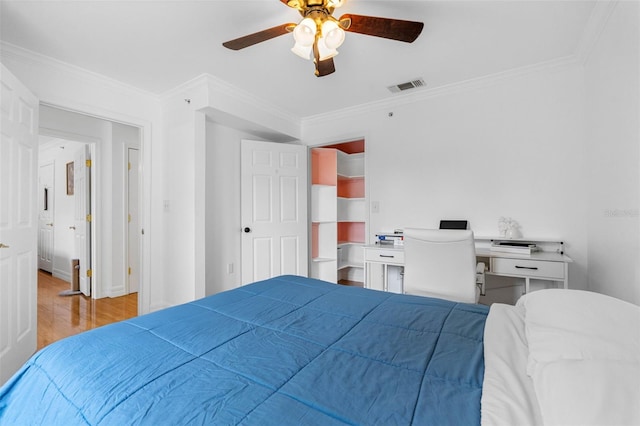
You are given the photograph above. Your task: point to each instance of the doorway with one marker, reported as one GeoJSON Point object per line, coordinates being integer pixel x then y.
{"type": "Point", "coordinates": [115, 201]}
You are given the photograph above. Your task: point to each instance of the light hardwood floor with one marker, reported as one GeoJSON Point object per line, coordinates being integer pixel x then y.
{"type": "Point", "coordinates": [62, 316]}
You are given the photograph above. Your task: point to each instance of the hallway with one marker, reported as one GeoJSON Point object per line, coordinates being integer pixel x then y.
{"type": "Point", "coordinates": [63, 316]}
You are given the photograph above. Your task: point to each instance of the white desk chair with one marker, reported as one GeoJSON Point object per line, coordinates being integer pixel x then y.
{"type": "Point", "coordinates": [441, 263]}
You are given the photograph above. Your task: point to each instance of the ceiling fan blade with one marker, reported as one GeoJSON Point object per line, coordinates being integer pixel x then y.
{"type": "Point", "coordinates": [325, 67]}
{"type": "Point", "coordinates": [259, 37]}
{"type": "Point", "coordinates": [394, 29]}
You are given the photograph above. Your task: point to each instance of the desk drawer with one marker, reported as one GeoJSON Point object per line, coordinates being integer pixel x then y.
{"type": "Point", "coordinates": [384, 256]}
{"type": "Point", "coordinates": [528, 268]}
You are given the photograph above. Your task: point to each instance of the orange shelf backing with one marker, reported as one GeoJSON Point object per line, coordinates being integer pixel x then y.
{"type": "Point", "coordinates": [351, 187]}
{"type": "Point", "coordinates": [351, 231]}
{"type": "Point", "coordinates": [324, 166]}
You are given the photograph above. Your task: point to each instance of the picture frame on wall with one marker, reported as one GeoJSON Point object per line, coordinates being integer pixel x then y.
{"type": "Point", "coordinates": [70, 178]}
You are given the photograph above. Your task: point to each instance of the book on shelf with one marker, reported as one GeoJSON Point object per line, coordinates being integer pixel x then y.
{"type": "Point", "coordinates": [391, 239]}
{"type": "Point", "coordinates": [521, 247]}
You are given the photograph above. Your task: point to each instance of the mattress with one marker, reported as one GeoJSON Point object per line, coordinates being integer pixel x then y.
{"type": "Point", "coordinates": [288, 350]}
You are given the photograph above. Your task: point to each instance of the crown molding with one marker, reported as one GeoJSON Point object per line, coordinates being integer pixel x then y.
{"type": "Point", "coordinates": [31, 58]}
{"type": "Point", "coordinates": [224, 88]}
{"type": "Point", "coordinates": [448, 89]}
{"type": "Point", "coordinates": [593, 29]}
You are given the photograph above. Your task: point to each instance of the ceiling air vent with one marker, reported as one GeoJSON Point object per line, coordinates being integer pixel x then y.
{"type": "Point", "coordinates": [407, 86]}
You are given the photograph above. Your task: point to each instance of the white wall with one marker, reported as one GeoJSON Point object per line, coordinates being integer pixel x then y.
{"type": "Point", "coordinates": [511, 147]}
{"type": "Point", "coordinates": [613, 156]}
{"type": "Point", "coordinates": [190, 190]}
{"type": "Point", "coordinates": [176, 232]}
{"type": "Point", "coordinates": [223, 227]}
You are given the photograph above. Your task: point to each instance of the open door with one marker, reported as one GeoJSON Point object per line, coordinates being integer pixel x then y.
{"type": "Point", "coordinates": [46, 199]}
{"type": "Point", "coordinates": [133, 230]}
{"type": "Point", "coordinates": [274, 210]}
{"type": "Point", "coordinates": [82, 215]}
{"type": "Point", "coordinates": [18, 224]}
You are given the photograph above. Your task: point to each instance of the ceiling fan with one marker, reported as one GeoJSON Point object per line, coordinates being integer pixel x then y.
{"type": "Point", "coordinates": [319, 34]}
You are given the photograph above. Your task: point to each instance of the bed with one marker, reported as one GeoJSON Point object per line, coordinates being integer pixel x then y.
{"type": "Point", "coordinates": [298, 351]}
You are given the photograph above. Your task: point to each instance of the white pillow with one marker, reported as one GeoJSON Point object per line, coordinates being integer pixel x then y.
{"type": "Point", "coordinates": [575, 324]}
{"type": "Point", "coordinates": [584, 357]}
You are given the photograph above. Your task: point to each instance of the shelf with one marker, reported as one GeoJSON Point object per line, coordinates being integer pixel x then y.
{"type": "Point", "coordinates": [350, 265]}
{"type": "Point", "coordinates": [349, 177]}
{"type": "Point", "coordinates": [338, 214]}
{"type": "Point", "coordinates": [322, 259]}
{"type": "Point", "coordinates": [349, 243]}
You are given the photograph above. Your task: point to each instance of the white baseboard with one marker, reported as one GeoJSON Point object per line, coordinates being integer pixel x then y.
{"type": "Point", "coordinates": [63, 275]}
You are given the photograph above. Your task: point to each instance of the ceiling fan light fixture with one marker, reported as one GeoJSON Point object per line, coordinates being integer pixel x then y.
{"type": "Point", "coordinates": [333, 35]}
{"type": "Point", "coordinates": [305, 32]}
{"type": "Point", "coordinates": [319, 34]}
{"type": "Point", "coordinates": [303, 51]}
{"type": "Point", "coordinates": [325, 52]}
{"type": "Point", "coordinates": [336, 3]}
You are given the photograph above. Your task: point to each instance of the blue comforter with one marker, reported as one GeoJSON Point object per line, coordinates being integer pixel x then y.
{"type": "Point", "coordinates": [285, 351]}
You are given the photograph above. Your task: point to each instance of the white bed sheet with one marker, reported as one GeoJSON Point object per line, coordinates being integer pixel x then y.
{"type": "Point", "coordinates": [562, 357]}
{"type": "Point", "coordinates": [508, 397]}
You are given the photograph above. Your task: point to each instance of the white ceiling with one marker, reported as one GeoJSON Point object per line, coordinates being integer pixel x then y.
{"type": "Point", "coordinates": [158, 45]}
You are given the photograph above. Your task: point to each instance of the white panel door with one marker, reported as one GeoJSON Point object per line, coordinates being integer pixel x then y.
{"type": "Point", "coordinates": [18, 224]}
{"type": "Point", "coordinates": [82, 218]}
{"type": "Point", "coordinates": [274, 210]}
{"type": "Point", "coordinates": [133, 233]}
{"type": "Point", "coordinates": [46, 198]}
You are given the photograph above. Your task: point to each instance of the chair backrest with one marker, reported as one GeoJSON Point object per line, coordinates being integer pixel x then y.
{"type": "Point", "coordinates": [440, 263]}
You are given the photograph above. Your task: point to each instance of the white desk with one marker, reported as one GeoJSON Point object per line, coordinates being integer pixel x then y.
{"type": "Point", "coordinates": [382, 263]}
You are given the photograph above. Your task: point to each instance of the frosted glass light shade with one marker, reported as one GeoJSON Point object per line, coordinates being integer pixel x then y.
{"type": "Point", "coordinates": [336, 3]}
{"type": "Point", "coordinates": [333, 35]}
{"type": "Point", "coordinates": [325, 52]}
{"type": "Point", "coordinates": [305, 32]}
{"type": "Point", "coordinates": [303, 51]}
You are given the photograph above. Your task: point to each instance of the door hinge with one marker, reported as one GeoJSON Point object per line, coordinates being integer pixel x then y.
{"type": "Point", "coordinates": [129, 218]}
{"type": "Point", "coordinates": [129, 166]}
{"type": "Point", "coordinates": [89, 218]}
{"type": "Point", "coordinates": [88, 163]}
{"type": "Point", "coordinates": [89, 273]}
{"type": "Point", "coordinates": [129, 270]}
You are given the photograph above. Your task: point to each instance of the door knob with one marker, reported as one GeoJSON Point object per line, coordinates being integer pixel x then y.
{"type": "Point", "coordinates": [3, 246]}
{"type": "Point", "coordinates": [72, 227]}
{"type": "Point", "coordinates": [247, 230]}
